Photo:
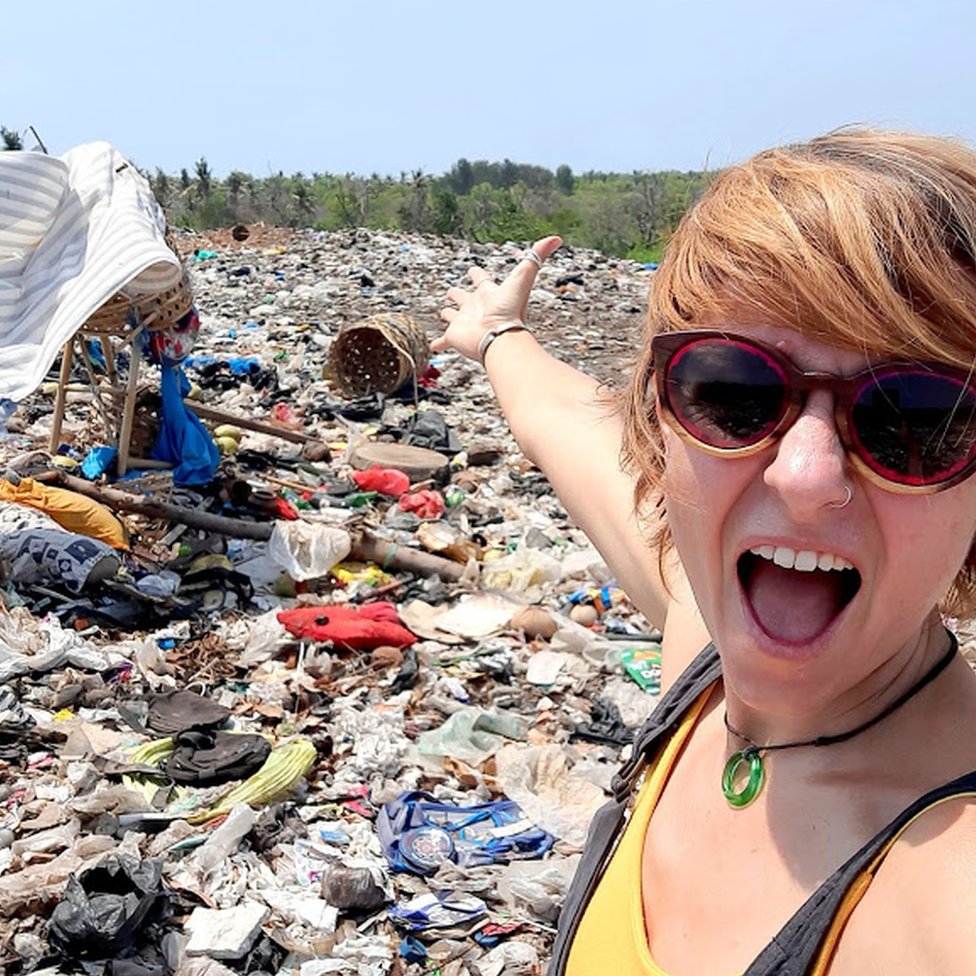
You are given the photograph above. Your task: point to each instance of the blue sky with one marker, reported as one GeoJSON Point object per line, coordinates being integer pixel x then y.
{"type": "Point", "coordinates": [384, 86]}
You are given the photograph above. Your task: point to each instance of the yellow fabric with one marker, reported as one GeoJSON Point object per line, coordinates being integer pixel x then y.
{"type": "Point", "coordinates": [856, 892]}
{"type": "Point", "coordinates": [73, 512]}
{"type": "Point", "coordinates": [611, 936]}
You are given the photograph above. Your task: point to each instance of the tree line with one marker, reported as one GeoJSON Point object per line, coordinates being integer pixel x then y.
{"type": "Point", "coordinates": [621, 214]}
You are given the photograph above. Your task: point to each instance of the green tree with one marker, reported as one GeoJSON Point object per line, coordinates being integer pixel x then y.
{"type": "Point", "coordinates": [508, 174]}
{"type": "Point", "coordinates": [647, 206]}
{"type": "Point", "coordinates": [461, 177]}
{"type": "Point", "coordinates": [447, 217]}
{"type": "Point", "coordinates": [204, 178]}
{"type": "Point", "coordinates": [415, 212]}
{"type": "Point", "coordinates": [565, 179]}
{"type": "Point", "coordinates": [10, 139]}
{"type": "Point", "coordinates": [161, 188]}
{"type": "Point", "coordinates": [235, 183]}
{"type": "Point", "coordinates": [352, 201]}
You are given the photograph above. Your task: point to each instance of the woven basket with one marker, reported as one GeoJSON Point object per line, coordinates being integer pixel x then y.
{"type": "Point", "coordinates": [377, 355]}
{"type": "Point", "coordinates": [111, 319]}
{"type": "Point", "coordinates": [159, 310]}
{"type": "Point", "coordinates": [164, 309]}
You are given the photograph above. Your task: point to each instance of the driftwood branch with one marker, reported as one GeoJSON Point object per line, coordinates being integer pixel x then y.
{"type": "Point", "coordinates": [366, 547]}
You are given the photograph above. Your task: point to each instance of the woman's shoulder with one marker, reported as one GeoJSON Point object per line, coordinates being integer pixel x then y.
{"type": "Point", "coordinates": [917, 915]}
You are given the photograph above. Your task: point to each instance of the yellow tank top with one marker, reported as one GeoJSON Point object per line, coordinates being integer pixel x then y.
{"type": "Point", "coordinates": [611, 937]}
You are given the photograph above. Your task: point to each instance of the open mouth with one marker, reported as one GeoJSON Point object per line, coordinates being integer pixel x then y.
{"type": "Point", "coordinates": [795, 595]}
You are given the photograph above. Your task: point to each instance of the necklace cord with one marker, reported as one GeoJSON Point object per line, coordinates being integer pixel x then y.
{"type": "Point", "coordinates": [829, 740]}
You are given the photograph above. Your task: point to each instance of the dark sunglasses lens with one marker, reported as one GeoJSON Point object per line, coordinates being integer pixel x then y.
{"type": "Point", "coordinates": [915, 427]}
{"type": "Point", "coordinates": [725, 393]}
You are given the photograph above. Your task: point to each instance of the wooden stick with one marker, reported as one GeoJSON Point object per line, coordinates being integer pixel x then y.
{"type": "Point", "coordinates": [388, 555]}
{"type": "Point", "coordinates": [129, 412]}
{"type": "Point", "coordinates": [67, 354]}
{"type": "Point", "coordinates": [260, 426]}
{"type": "Point", "coordinates": [126, 502]}
{"type": "Point", "coordinates": [220, 416]}
{"type": "Point", "coordinates": [366, 547]}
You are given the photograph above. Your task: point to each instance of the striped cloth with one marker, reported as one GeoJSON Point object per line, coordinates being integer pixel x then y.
{"type": "Point", "coordinates": [74, 231]}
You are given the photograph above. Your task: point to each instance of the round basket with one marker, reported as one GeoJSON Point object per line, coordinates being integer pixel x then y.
{"type": "Point", "coordinates": [377, 355]}
{"type": "Point", "coordinates": [163, 309]}
{"type": "Point", "coordinates": [111, 318]}
{"type": "Point", "coordinates": [156, 310]}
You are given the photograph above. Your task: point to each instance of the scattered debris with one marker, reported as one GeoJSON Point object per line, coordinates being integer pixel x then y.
{"type": "Point", "coordinates": [347, 707]}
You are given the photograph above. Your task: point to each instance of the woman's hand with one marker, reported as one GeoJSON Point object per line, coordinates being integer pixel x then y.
{"type": "Point", "coordinates": [490, 304]}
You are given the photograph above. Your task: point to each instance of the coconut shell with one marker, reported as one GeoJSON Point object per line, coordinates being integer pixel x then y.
{"type": "Point", "coordinates": [584, 614]}
{"type": "Point", "coordinates": [534, 622]}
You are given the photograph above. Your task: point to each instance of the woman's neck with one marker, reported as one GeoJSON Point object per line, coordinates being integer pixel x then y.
{"type": "Point", "coordinates": [851, 707]}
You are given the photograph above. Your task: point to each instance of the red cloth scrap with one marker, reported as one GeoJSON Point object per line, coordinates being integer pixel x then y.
{"type": "Point", "coordinates": [359, 628]}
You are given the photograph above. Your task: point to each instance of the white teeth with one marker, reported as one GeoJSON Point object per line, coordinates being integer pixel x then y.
{"type": "Point", "coordinates": [804, 560]}
{"type": "Point", "coordinates": [784, 557]}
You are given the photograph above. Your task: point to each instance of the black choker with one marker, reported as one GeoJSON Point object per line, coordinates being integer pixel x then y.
{"type": "Point", "coordinates": [753, 753]}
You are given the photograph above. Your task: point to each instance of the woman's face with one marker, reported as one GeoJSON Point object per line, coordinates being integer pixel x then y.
{"type": "Point", "coordinates": [789, 637]}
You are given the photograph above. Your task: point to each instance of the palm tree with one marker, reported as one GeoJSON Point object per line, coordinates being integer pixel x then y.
{"type": "Point", "coordinates": [204, 181]}
{"type": "Point", "coordinates": [11, 139]}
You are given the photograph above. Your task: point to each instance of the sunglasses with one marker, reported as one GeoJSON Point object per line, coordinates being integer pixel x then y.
{"type": "Point", "coordinates": [908, 427]}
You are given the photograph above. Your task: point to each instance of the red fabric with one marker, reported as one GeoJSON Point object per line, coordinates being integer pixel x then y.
{"type": "Point", "coordinates": [427, 504]}
{"type": "Point", "coordinates": [361, 628]}
{"type": "Point", "coordinates": [387, 481]}
{"type": "Point", "coordinates": [429, 379]}
{"type": "Point", "coordinates": [284, 508]}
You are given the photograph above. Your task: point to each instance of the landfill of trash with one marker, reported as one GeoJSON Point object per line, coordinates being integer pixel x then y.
{"type": "Point", "coordinates": [344, 702]}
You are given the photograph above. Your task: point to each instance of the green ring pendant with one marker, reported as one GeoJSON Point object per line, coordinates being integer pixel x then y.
{"type": "Point", "coordinates": [753, 786]}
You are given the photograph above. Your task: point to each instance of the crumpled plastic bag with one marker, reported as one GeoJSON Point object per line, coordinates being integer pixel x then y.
{"type": "Point", "coordinates": [541, 781]}
{"type": "Point", "coordinates": [425, 504]}
{"type": "Point", "coordinates": [104, 908]}
{"type": "Point", "coordinates": [523, 571]}
{"type": "Point", "coordinates": [307, 550]}
{"type": "Point", "coordinates": [462, 736]}
{"type": "Point", "coordinates": [387, 481]}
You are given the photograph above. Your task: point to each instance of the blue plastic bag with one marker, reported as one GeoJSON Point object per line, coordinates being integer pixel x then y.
{"type": "Point", "coordinates": [419, 834]}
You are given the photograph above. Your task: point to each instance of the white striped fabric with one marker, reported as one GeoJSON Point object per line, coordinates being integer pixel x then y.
{"type": "Point", "coordinates": [74, 231]}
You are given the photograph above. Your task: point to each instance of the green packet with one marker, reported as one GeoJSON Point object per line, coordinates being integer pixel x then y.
{"type": "Point", "coordinates": [643, 665]}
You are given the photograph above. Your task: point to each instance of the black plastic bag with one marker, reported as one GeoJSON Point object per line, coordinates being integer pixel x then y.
{"type": "Point", "coordinates": [104, 909]}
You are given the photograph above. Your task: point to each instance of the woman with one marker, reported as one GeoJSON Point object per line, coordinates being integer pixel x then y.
{"type": "Point", "coordinates": [804, 411]}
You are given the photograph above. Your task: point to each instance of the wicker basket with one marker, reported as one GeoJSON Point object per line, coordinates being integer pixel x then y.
{"type": "Point", "coordinates": [377, 355]}
{"type": "Point", "coordinates": [163, 309]}
{"type": "Point", "coordinates": [158, 310]}
{"type": "Point", "coordinates": [111, 318]}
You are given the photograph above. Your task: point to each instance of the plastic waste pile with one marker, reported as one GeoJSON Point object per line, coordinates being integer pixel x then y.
{"type": "Point", "coordinates": [349, 706]}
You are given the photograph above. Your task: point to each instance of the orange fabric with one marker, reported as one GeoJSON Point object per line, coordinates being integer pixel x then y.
{"type": "Point", "coordinates": [72, 511]}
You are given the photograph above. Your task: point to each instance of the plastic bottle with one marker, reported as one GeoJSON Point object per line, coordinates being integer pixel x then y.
{"type": "Point", "coordinates": [453, 496]}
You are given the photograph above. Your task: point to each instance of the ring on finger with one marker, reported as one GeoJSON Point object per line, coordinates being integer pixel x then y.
{"type": "Point", "coordinates": [531, 254]}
